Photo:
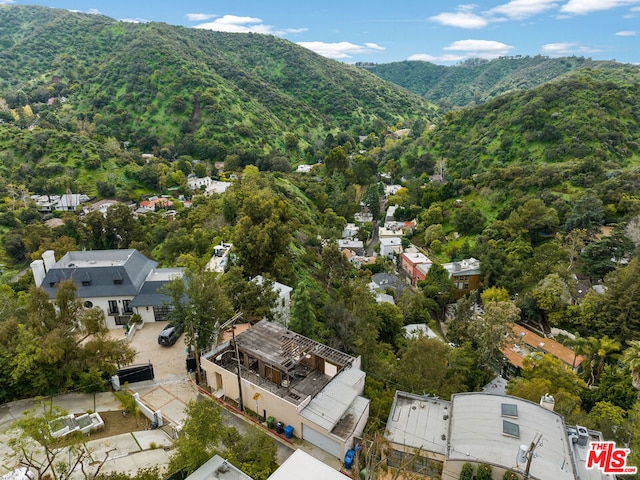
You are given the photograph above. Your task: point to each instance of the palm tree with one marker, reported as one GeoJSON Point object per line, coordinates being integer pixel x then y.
{"type": "Point", "coordinates": [631, 357]}
{"type": "Point", "coordinates": [580, 346]}
{"type": "Point", "coordinates": [601, 349]}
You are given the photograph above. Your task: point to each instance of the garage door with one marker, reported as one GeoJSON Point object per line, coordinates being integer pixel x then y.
{"type": "Point", "coordinates": [320, 441]}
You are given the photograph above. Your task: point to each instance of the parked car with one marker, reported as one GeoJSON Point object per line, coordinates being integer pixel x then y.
{"type": "Point", "coordinates": [170, 334]}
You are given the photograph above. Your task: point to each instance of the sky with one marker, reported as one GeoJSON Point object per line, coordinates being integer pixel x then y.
{"type": "Point", "coordinates": [441, 32]}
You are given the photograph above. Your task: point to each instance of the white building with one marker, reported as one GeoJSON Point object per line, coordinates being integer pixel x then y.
{"type": "Point", "coordinates": [207, 185]}
{"type": "Point", "coordinates": [119, 282]}
{"type": "Point", "coordinates": [390, 246]}
{"type": "Point", "coordinates": [481, 428]}
{"type": "Point", "coordinates": [282, 309]}
{"type": "Point", "coordinates": [311, 387]}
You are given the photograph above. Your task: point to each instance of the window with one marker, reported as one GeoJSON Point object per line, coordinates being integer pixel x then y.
{"type": "Point", "coordinates": [509, 410]}
{"type": "Point", "coordinates": [511, 429]}
{"type": "Point", "coordinates": [117, 281]}
{"type": "Point", "coordinates": [126, 306]}
{"type": "Point", "coordinates": [88, 304]}
{"type": "Point", "coordinates": [113, 307]}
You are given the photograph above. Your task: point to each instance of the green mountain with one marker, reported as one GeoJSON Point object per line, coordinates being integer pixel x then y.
{"type": "Point", "coordinates": [590, 116]}
{"type": "Point", "coordinates": [476, 81]}
{"type": "Point", "coordinates": [187, 91]}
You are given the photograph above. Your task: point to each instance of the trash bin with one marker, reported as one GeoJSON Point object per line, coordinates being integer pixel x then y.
{"type": "Point", "coordinates": [270, 422]}
{"type": "Point", "coordinates": [288, 431]}
{"type": "Point", "coordinates": [279, 427]}
{"type": "Point", "coordinates": [348, 458]}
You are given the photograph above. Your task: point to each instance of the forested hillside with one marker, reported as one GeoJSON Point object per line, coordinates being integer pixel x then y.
{"type": "Point", "coordinates": [539, 182]}
{"type": "Point", "coordinates": [188, 91]}
{"type": "Point", "coordinates": [476, 81]}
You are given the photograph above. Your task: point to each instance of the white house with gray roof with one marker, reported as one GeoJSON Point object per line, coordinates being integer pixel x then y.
{"type": "Point", "coordinates": [119, 282]}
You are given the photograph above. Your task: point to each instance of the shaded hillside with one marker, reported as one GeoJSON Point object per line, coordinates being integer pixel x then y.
{"type": "Point", "coordinates": [477, 81]}
{"type": "Point", "coordinates": [591, 116]}
{"type": "Point", "coordinates": [206, 94]}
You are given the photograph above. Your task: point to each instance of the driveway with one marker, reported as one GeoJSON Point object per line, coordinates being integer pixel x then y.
{"type": "Point", "coordinates": [167, 361]}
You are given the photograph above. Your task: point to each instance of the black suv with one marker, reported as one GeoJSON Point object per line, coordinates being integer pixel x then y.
{"type": "Point", "coordinates": [170, 334]}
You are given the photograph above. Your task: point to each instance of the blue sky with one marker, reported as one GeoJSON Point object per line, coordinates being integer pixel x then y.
{"type": "Point", "coordinates": [389, 31]}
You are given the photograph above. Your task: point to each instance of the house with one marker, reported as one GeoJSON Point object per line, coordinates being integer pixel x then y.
{"type": "Point", "coordinates": [528, 342]}
{"type": "Point", "coordinates": [350, 230]}
{"type": "Point", "coordinates": [156, 202]}
{"type": "Point", "coordinates": [466, 275]}
{"type": "Point", "coordinates": [356, 246]}
{"type": "Point", "coordinates": [363, 217]}
{"type": "Point", "coordinates": [207, 185]}
{"type": "Point", "coordinates": [220, 258]}
{"type": "Point", "coordinates": [390, 215]}
{"type": "Point", "coordinates": [390, 246]}
{"type": "Point", "coordinates": [304, 384]}
{"type": "Point", "coordinates": [100, 206]}
{"type": "Point", "coordinates": [384, 281]}
{"type": "Point", "coordinates": [218, 468]}
{"type": "Point", "coordinates": [409, 262]}
{"type": "Point", "coordinates": [282, 309]}
{"type": "Point", "coordinates": [437, 437]}
{"type": "Point", "coordinates": [301, 465]}
{"type": "Point", "coordinates": [391, 189]}
{"type": "Point", "coordinates": [306, 168]}
{"type": "Point", "coordinates": [70, 202]}
{"type": "Point", "coordinates": [119, 282]}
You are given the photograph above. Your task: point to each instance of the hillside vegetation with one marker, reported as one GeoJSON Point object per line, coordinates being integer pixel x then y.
{"type": "Point", "coordinates": [188, 91]}
{"type": "Point", "coordinates": [476, 81]}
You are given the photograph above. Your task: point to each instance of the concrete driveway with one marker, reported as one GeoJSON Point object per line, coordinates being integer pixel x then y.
{"type": "Point", "coordinates": [167, 361]}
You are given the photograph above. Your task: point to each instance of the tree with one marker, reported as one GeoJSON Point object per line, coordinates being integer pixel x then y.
{"type": "Point", "coordinates": [255, 299]}
{"type": "Point", "coordinates": [253, 452]}
{"type": "Point", "coordinates": [552, 294]}
{"type": "Point", "coordinates": [336, 159]}
{"type": "Point", "coordinates": [200, 303]}
{"type": "Point", "coordinates": [303, 316]}
{"type": "Point", "coordinates": [200, 436]}
{"type": "Point", "coordinates": [492, 330]}
{"type": "Point", "coordinates": [587, 213]}
{"type": "Point", "coordinates": [33, 446]}
{"type": "Point", "coordinates": [495, 294]}
{"type": "Point", "coordinates": [631, 357]}
{"type": "Point", "coordinates": [544, 374]}
{"type": "Point", "coordinates": [468, 220]}
{"type": "Point", "coordinates": [438, 286]}
{"type": "Point", "coordinates": [262, 233]}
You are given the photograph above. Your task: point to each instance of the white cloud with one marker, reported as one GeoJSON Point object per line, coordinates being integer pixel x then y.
{"type": "Point", "coordinates": [582, 7]}
{"type": "Point", "coordinates": [236, 24]}
{"type": "Point", "coordinates": [562, 49]}
{"type": "Point", "coordinates": [446, 58]}
{"type": "Point", "coordinates": [461, 19]}
{"type": "Point", "coordinates": [94, 11]}
{"type": "Point", "coordinates": [520, 9]}
{"type": "Point", "coordinates": [134, 20]}
{"type": "Point", "coordinates": [341, 49]}
{"type": "Point", "coordinates": [626, 33]}
{"type": "Point", "coordinates": [480, 48]}
{"type": "Point", "coordinates": [6, 2]}
{"type": "Point", "coordinates": [200, 17]}
{"type": "Point", "coordinates": [467, 49]}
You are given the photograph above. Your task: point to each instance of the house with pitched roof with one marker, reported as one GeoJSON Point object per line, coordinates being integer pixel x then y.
{"type": "Point", "coordinates": [119, 282]}
{"type": "Point", "coordinates": [315, 389]}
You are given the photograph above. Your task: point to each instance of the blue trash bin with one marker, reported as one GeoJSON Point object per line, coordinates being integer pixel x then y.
{"type": "Point", "coordinates": [288, 431]}
{"type": "Point", "coordinates": [348, 458]}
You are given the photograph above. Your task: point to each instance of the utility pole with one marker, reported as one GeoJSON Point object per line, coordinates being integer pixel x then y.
{"type": "Point", "coordinates": [235, 345]}
{"type": "Point", "coordinates": [529, 454]}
